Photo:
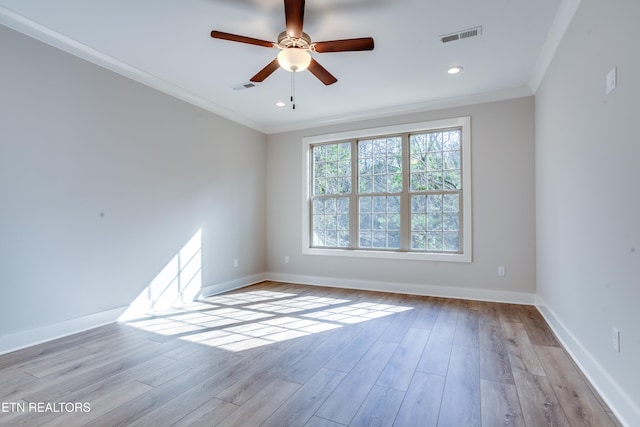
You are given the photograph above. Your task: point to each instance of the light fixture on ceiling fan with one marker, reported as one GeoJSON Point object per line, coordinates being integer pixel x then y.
{"type": "Point", "coordinates": [294, 59]}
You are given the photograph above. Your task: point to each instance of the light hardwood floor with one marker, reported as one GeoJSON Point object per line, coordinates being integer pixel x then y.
{"type": "Point", "coordinates": [278, 354]}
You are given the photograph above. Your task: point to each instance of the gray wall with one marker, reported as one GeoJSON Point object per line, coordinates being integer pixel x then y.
{"type": "Point", "coordinates": [77, 141]}
{"type": "Point", "coordinates": [588, 197]}
{"type": "Point", "coordinates": [502, 148]}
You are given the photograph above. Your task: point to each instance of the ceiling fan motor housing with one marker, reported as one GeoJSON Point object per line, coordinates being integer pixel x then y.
{"type": "Point", "coordinates": [286, 41]}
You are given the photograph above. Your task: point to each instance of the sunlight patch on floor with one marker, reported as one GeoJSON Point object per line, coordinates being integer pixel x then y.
{"type": "Point", "coordinates": [246, 320]}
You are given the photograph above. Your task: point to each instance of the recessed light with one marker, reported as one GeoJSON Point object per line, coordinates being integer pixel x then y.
{"type": "Point", "coordinates": [280, 104]}
{"type": "Point", "coordinates": [455, 70]}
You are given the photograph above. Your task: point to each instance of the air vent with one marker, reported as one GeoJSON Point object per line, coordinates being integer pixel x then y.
{"type": "Point", "coordinates": [243, 86]}
{"type": "Point", "coordinates": [459, 35]}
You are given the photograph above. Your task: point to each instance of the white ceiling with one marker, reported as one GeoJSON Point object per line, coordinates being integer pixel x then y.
{"type": "Point", "coordinates": [166, 44]}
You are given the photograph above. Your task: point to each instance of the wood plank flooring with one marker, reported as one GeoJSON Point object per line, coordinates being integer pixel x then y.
{"type": "Point", "coordinates": [277, 354]}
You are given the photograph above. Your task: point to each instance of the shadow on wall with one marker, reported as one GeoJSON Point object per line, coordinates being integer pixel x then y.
{"type": "Point", "coordinates": [178, 283]}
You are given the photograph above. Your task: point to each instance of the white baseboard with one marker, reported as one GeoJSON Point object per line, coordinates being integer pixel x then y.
{"type": "Point", "coordinates": [623, 406]}
{"type": "Point", "coordinates": [19, 340]}
{"type": "Point", "coordinates": [407, 288]}
{"type": "Point", "coordinates": [207, 291]}
{"type": "Point", "coordinates": [28, 338]}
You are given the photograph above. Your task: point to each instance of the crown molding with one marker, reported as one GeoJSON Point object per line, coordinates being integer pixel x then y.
{"type": "Point", "coordinates": [439, 104]}
{"type": "Point", "coordinates": [46, 35]}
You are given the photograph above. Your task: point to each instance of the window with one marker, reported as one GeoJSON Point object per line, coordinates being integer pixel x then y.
{"type": "Point", "coordinates": [395, 192]}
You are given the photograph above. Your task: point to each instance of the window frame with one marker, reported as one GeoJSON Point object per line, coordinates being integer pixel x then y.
{"type": "Point", "coordinates": [429, 126]}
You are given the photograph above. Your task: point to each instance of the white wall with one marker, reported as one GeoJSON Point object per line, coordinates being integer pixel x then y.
{"type": "Point", "coordinates": [77, 141]}
{"type": "Point", "coordinates": [502, 149]}
{"type": "Point", "coordinates": [588, 197]}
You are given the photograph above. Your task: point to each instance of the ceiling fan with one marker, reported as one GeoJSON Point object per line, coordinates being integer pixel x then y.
{"type": "Point", "coordinates": [295, 46]}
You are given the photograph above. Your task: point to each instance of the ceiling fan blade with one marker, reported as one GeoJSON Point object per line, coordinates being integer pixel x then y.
{"type": "Point", "coordinates": [321, 73]}
{"type": "Point", "coordinates": [266, 71]}
{"type": "Point", "coordinates": [294, 17]}
{"type": "Point", "coordinates": [365, 43]}
{"type": "Point", "coordinates": [241, 39]}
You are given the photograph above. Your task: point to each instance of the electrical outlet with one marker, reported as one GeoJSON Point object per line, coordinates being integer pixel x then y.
{"type": "Point", "coordinates": [286, 259]}
{"type": "Point", "coordinates": [502, 271]}
{"type": "Point", "coordinates": [235, 262]}
{"type": "Point", "coordinates": [615, 335]}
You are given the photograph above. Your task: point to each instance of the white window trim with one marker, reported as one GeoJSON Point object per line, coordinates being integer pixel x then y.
{"type": "Point", "coordinates": [465, 256]}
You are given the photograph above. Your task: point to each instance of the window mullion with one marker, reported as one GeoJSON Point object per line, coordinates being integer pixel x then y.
{"type": "Point", "coordinates": [353, 198]}
{"type": "Point", "coordinates": [405, 215]}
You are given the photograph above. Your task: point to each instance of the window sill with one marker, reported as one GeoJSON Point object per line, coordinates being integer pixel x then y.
{"type": "Point", "coordinates": [415, 256]}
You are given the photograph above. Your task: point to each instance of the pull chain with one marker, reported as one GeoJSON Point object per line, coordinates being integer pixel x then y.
{"type": "Point", "coordinates": [293, 89]}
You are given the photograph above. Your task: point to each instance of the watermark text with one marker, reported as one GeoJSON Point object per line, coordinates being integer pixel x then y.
{"type": "Point", "coordinates": [45, 407]}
